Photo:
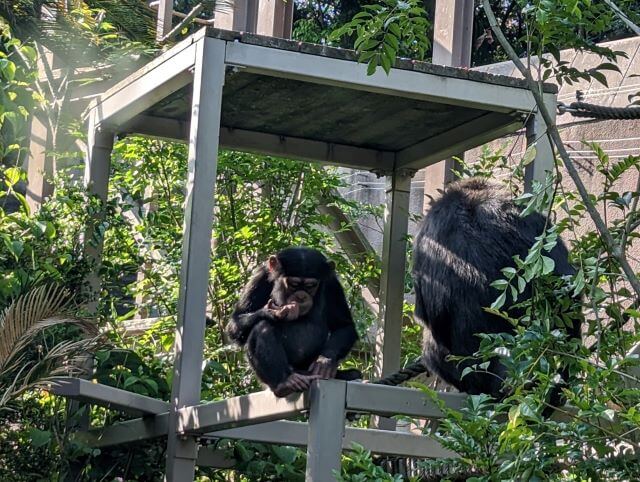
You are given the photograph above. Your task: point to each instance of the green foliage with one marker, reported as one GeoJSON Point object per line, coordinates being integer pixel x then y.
{"type": "Point", "coordinates": [515, 439]}
{"type": "Point", "coordinates": [45, 246]}
{"type": "Point", "coordinates": [17, 101]}
{"type": "Point", "coordinates": [358, 466]}
{"type": "Point", "coordinates": [270, 462]}
{"type": "Point", "coordinates": [388, 29]}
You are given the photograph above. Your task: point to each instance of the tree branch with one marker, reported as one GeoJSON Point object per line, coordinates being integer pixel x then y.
{"type": "Point", "coordinates": [613, 248]}
{"type": "Point", "coordinates": [622, 16]}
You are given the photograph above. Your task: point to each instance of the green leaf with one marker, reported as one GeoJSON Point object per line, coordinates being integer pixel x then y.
{"type": "Point", "coordinates": [498, 303]}
{"type": "Point", "coordinates": [12, 175]}
{"type": "Point", "coordinates": [130, 381]}
{"type": "Point", "coordinates": [547, 265]}
{"type": "Point", "coordinates": [372, 66]}
{"type": "Point", "coordinates": [529, 155]}
{"type": "Point", "coordinates": [39, 437]}
{"type": "Point", "coordinates": [500, 284]}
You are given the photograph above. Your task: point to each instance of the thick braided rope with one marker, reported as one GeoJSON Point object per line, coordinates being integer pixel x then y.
{"type": "Point", "coordinates": [410, 371]}
{"type": "Point", "coordinates": [583, 109]}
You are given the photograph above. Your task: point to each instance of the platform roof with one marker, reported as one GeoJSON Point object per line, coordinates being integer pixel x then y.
{"type": "Point", "coordinates": [313, 102]}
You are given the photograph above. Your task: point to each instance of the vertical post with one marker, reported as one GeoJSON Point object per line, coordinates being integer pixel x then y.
{"type": "Point", "coordinates": [41, 165]}
{"type": "Point", "coordinates": [326, 429]}
{"type": "Point", "coordinates": [537, 136]}
{"type": "Point", "coordinates": [275, 18]}
{"type": "Point", "coordinates": [241, 16]}
{"type": "Point", "coordinates": [394, 257]}
{"type": "Point", "coordinates": [206, 106]}
{"type": "Point", "coordinates": [452, 38]}
{"type": "Point", "coordinates": [96, 180]}
{"type": "Point", "coordinates": [165, 18]}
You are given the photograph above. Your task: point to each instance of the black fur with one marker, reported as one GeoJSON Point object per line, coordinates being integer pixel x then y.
{"type": "Point", "coordinates": [275, 348]}
{"type": "Point", "coordinates": [465, 239]}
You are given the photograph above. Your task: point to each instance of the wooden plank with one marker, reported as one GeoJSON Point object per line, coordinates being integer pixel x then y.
{"type": "Point", "coordinates": [238, 411]}
{"type": "Point", "coordinates": [106, 396]}
{"type": "Point", "coordinates": [130, 431]}
{"type": "Point", "coordinates": [378, 441]}
{"type": "Point", "coordinates": [269, 144]}
{"type": "Point", "coordinates": [403, 83]}
{"type": "Point", "coordinates": [476, 132]}
{"type": "Point", "coordinates": [146, 90]}
{"type": "Point", "coordinates": [389, 401]}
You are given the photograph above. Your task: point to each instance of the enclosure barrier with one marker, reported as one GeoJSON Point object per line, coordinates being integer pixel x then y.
{"type": "Point", "coordinates": [261, 417]}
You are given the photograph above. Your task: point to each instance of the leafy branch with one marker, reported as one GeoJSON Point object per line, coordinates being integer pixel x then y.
{"type": "Point", "coordinates": [386, 30]}
{"type": "Point", "coordinates": [614, 249]}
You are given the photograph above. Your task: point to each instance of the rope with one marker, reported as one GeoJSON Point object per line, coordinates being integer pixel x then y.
{"type": "Point", "coordinates": [582, 109]}
{"type": "Point", "coordinates": [410, 371]}
{"type": "Point", "coordinates": [594, 111]}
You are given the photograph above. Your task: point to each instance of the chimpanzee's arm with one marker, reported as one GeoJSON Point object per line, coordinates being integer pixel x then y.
{"type": "Point", "coordinates": [342, 331]}
{"type": "Point", "coordinates": [250, 308]}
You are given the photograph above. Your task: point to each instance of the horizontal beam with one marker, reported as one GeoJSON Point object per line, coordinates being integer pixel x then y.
{"type": "Point", "coordinates": [459, 139]}
{"type": "Point", "coordinates": [130, 431]}
{"type": "Point", "coordinates": [401, 83]}
{"type": "Point", "coordinates": [269, 144]}
{"type": "Point", "coordinates": [238, 411]}
{"type": "Point", "coordinates": [122, 103]}
{"type": "Point", "coordinates": [106, 396]}
{"type": "Point", "coordinates": [388, 401]}
{"type": "Point", "coordinates": [378, 441]}
{"type": "Point", "coordinates": [305, 149]}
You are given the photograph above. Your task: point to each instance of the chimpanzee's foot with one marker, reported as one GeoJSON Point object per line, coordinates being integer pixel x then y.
{"type": "Point", "coordinates": [296, 382]}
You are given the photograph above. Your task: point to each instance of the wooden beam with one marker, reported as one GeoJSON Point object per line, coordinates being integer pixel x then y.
{"type": "Point", "coordinates": [377, 441]}
{"type": "Point", "coordinates": [388, 401]}
{"type": "Point", "coordinates": [403, 83]}
{"type": "Point", "coordinates": [269, 144]}
{"type": "Point", "coordinates": [238, 411]}
{"type": "Point", "coordinates": [106, 396]}
{"type": "Point", "coordinates": [165, 17]}
{"type": "Point", "coordinates": [459, 139]}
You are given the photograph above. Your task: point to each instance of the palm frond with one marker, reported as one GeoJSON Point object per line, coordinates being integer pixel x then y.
{"type": "Point", "coordinates": [28, 315]}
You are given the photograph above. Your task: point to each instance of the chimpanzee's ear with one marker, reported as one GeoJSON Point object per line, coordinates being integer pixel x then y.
{"type": "Point", "coordinates": [332, 265]}
{"type": "Point", "coordinates": [273, 263]}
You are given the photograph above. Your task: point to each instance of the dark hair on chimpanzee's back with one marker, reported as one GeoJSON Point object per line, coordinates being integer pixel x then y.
{"type": "Point", "coordinates": [466, 238]}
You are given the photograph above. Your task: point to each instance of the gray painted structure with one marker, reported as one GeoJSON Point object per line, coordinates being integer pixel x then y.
{"type": "Point", "coordinates": [247, 92]}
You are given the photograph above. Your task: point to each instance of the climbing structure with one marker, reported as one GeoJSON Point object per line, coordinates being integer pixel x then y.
{"type": "Point", "coordinates": [313, 103]}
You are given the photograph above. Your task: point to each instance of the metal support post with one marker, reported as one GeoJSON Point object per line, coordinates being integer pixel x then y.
{"type": "Point", "coordinates": [326, 429]}
{"type": "Point", "coordinates": [96, 180]}
{"type": "Point", "coordinates": [194, 276]}
{"type": "Point", "coordinates": [41, 164]}
{"type": "Point", "coordinates": [165, 18]}
{"type": "Point", "coordinates": [392, 282]}
{"type": "Point", "coordinates": [452, 38]}
{"type": "Point", "coordinates": [275, 18]}
{"type": "Point", "coordinates": [537, 136]}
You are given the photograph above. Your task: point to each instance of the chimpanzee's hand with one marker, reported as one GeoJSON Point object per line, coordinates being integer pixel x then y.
{"type": "Point", "coordinates": [288, 312]}
{"type": "Point", "coordinates": [324, 367]}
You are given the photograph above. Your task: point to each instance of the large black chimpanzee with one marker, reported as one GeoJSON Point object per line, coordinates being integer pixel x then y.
{"type": "Point", "coordinates": [466, 238]}
{"type": "Point", "coordinates": [294, 321]}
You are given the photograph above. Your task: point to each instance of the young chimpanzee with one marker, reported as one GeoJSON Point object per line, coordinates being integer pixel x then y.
{"type": "Point", "coordinates": [294, 321]}
{"type": "Point", "coordinates": [466, 238]}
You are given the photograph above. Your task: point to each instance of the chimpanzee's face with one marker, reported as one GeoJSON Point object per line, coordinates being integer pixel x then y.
{"type": "Point", "coordinates": [301, 291]}
{"type": "Point", "coordinates": [298, 277]}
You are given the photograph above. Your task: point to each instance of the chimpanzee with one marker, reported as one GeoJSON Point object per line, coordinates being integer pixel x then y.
{"type": "Point", "coordinates": [294, 321]}
{"type": "Point", "coordinates": [466, 238]}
